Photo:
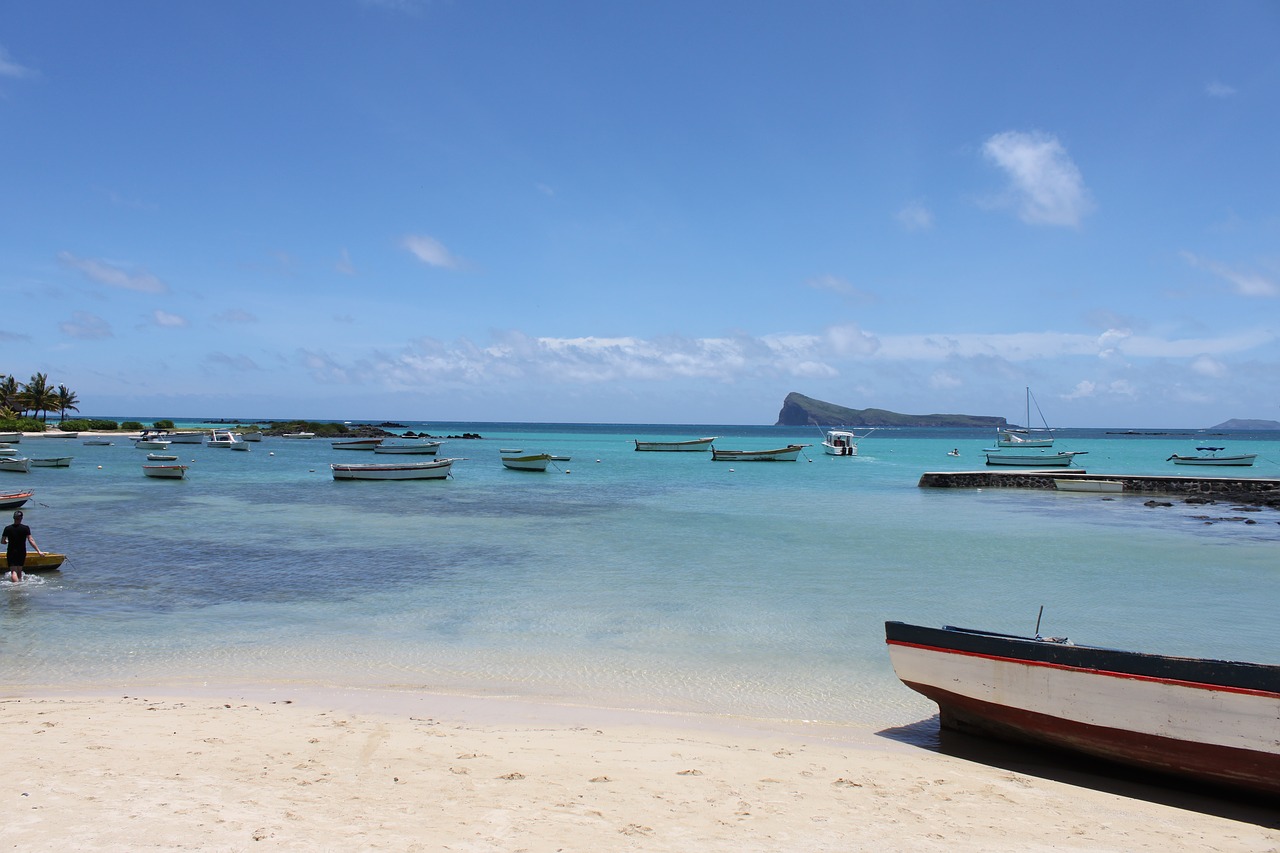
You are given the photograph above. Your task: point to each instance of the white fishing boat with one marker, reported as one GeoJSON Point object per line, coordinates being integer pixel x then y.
{"type": "Point", "coordinates": [1026, 436]}
{"type": "Point", "coordinates": [781, 454]}
{"type": "Point", "coordinates": [299, 435]}
{"type": "Point", "coordinates": [96, 442]}
{"type": "Point", "coordinates": [52, 462]}
{"type": "Point", "coordinates": [356, 443]}
{"type": "Point", "coordinates": [152, 444]}
{"type": "Point", "coordinates": [1075, 484]}
{"type": "Point", "coordinates": [1208, 720]}
{"type": "Point", "coordinates": [21, 465]}
{"type": "Point", "coordinates": [252, 435]}
{"type": "Point", "coordinates": [10, 437]}
{"type": "Point", "coordinates": [162, 457]}
{"type": "Point", "coordinates": [419, 448]}
{"type": "Point", "coordinates": [165, 472]}
{"type": "Point", "coordinates": [186, 436]}
{"type": "Point", "coordinates": [8, 451]}
{"type": "Point", "coordinates": [842, 442]}
{"type": "Point", "coordinates": [689, 445]}
{"type": "Point", "coordinates": [436, 469]}
{"type": "Point", "coordinates": [222, 438]}
{"type": "Point", "coordinates": [532, 462]}
{"type": "Point", "coordinates": [241, 445]}
{"type": "Point", "coordinates": [1034, 460]}
{"type": "Point", "coordinates": [1210, 457]}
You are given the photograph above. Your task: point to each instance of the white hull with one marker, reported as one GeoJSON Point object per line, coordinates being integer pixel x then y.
{"type": "Point", "coordinates": [165, 472]}
{"type": "Point", "coordinates": [1035, 460]}
{"type": "Point", "coordinates": [186, 437]}
{"type": "Point", "coordinates": [253, 435]}
{"type": "Point", "coordinates": [1242, 461]}
{"type": "Point", "coordinates": [10, 437]}
{"type": "Point", "coordinates": [537, 462]}
{"type": "Point", "coordinates": [357, 444]}
{"type": "Point", "coordinates": [426, 448]}
{"type": "Point", "coordinates": [435, 470]}
{"type": "Point", "coordinates": [299, 435]}
{"type": "Point", "coordinates": [21, 466]}
{"type": "Point", "coordinates": [691, 446]}
{"type": "Point", "coordinates": [162, 457]}
{"type": "Point", "coordinates": [1013, 439]}
{"type": "Point", "coordinates": [151, 444]}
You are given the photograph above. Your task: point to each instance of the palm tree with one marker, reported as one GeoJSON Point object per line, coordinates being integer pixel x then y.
{"type": "Point", "coordinates": [64, 400]}
{"type": "Point", "coordinates": [37, 395]}
{"type": "Point", "coordinates": [9, 393]}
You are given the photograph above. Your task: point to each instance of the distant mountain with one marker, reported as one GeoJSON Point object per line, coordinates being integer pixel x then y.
{"type": "Point", "coordinates": [799, 410]}
{"type": "Point", "coordinates": [1247, 424]}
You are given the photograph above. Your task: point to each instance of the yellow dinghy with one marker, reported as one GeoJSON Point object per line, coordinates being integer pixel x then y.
{"type": "Point", "coordinates": [45, 562]}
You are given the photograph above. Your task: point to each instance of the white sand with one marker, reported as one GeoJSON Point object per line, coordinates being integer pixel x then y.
{"type": "Point", "coordinates": [426, 772]}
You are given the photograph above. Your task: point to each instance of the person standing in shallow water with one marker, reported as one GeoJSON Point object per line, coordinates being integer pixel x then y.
{"type": "Point", "coordinates": [16, 536]}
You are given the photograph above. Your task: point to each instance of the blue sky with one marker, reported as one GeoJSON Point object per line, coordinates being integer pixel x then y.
{"type": "Point", "coordinates": [643, 212]}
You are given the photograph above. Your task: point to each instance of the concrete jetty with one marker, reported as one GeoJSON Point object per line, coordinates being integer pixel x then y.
{"type": "Point", "coordinates": [1145, 484]}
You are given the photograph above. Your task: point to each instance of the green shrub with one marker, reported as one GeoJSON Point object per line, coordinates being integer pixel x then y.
{"type": "Point", "coordinates": [166, 424]}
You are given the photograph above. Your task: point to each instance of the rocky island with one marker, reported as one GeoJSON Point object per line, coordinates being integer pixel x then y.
{"type": "Point", "coordinates": [799, 410]}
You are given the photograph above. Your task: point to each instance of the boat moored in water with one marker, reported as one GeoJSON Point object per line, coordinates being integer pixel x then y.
{"type": "Point", "coordinates": [356, 443]}
{"type": "Point", "coordinates": [51, 462]}
{"type": "Point", "coordinates": [165, 472]}
{"type": "Point", "coordinates": [1210, 457]}
{"type": "Point", "coordinates": [532, 462]}
{"type": "Point", "coordinates": [36, 563]}
{"type": "Point", "coordinates": [13, 500]}
{"type": "Point", "coordinates": [418, 448]}
{"type": "Point", "coordinates": [1034, 460]}
{"type": "Point", "coordinates": [781, 454]}
{"type": "Point", "coordinates": [690, 445]}
{"type": "Point", "coordinates": [436, 469]}
{"type": "Point", "coordinates": [842, 442]}
{"type": "Point", "coordinates": [1209, 720]}
{"type": "Point", "coordinates": [21, 465]}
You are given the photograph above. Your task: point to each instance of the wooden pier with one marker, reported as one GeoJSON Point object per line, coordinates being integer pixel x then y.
{"type": "Point", "coordinates": [1141, 484]}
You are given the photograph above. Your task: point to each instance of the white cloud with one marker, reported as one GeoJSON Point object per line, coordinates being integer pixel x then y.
{"type": "Point", "coordinates": [105, 272]}
{"type": "Point", "coordinates": [430, 251]}
{"type": "Point", "coordinates": [168, 321]}
{"type": "Point", "coordinates": [1045, 187]}
{"type": "Point", "coordinates": [85, 326]}
{"type": "Point", "coordinates": [944, 380]}
{"type": "Point", "coordinates": [344, 264]}
{"type": "Point", "coordinates": [1211, 367]}
{"type": "Point", "coordinates": [235, 315]}
{"type": "Point", "coordinates": [1245, 283]}
{"type": "Point", "coordinates": [915, 217]}
{"type": "Point", "coordinates": [1084, 388]}
{"type": "Point", "coordinates": [9, 68]}
{"type": "Point", "coordinates": [1214, 89]}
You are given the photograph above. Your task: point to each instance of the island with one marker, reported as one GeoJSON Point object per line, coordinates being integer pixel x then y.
{"type": "Point", "coordinates": [799, 410]}
{"type": "Point", "coordinates": [1250, 424]}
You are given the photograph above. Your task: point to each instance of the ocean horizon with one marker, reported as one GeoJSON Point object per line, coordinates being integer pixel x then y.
{"type": "Point", "coordinates": [654, 581]}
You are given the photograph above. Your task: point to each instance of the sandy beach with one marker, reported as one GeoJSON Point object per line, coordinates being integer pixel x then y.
{"type": "Point", "coordinates": [339, 770]}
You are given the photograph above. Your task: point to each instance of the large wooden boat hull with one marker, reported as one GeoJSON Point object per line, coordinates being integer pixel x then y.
{"type": "Point", "coordinates": [1241, 460]}
{"type": "Point", "coordinates": [782, 454]}
{"type": "Point", "coordinates": [534, 462]}
{"type": "Point", "coordinates": [1034, 460]}
{"type": "Point", "coordinates": [1210, 720]}
{"type": "Point", "coordinates": [14, 499]}
{"type": "Point", "coordinates": [437, 469]}
{"type": "Point", "coordinates": [693, 445]}
{"type": "Point", "coordinates": [36, 563]}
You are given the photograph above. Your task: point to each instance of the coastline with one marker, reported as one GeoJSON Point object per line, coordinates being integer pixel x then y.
{"type": "Point", "coordinates": [231, 766]}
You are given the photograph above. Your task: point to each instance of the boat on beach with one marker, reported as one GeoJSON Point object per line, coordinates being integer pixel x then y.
{"type": "Point", "coordinates": [13, 500]}
{"type": "Point", "coordinates": [781, 454]}
{"type": "Point", "coordinates": [842, 442]}
{"type": "Point", "coordinates": [1034, 460]}
{"type": "Point", "coordinates": [165, 472]}
{"type": "Point", "coordinates": [436, 469]}
{"type": "Point", "coordinates": [420, 448]}
{"type": "Point", "coordinates": [689, 445]}
{"type": "Point", "coordinates": [1209, 456]}
{"type": "Point", "coordinates": [1073, 484]}
{"type": "Point", "coordinates": [532, 462]}
{"type": "Point", "coordinates": [1209, 720]}
{"type": "Point", "coordinates": [51, 462]}
{"type": "Point", "coordinates": [36, 563]}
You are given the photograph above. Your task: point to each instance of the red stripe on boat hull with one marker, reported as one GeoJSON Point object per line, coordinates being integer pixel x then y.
{"type": "Point", "coordinates": [1241, 768]}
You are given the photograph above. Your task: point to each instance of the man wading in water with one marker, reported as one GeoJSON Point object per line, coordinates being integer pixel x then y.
{"type": "Point", "coordinates": [16, 536]}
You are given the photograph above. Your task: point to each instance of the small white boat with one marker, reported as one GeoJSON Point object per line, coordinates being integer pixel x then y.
{"type": "Point", "coordinates": [1035, 460]}
{"type": "Point", "coordinates": [162, 457]}
{"type": "Point", "coordinates": [842, 442]}
{"type": "Point", "coordinates": [10, 437]}
{"type": "Point", "coordinates": [421, 448]}
{"type": "Point", "coordinates": [152, 444]}
{"type": "Point", "coordinates": [241, 445]}
{"type": "Point", "coordinates": [8, 451]}
{"type": "Point", "coordinates": [533, 462]}
{"type": "Point", "coordinates": [252, 435]}
{"type": "Point", "coordinates": [781, 454]}
{"type": "Point", "coordinates": [1239, 459]}
{"type": "Point", "coordinates": [511, 450]}
{"type": "Point", "coordinates": [691, 445]}
{"type": "Point", "coordinates": [436, 469]}
{"type": "Point", "coordinates": [52, 462]}
{"type": "Point", "coordinates": [299, 435]}
{"type": "Point", "coordinates": [561, 458]}
{"type": "Point", "coordinates": [165, 472]}
{"type": "Point", "coordinates": [222, 438]}
{"type": "Point", "coordinates": [1074, 484]}
{"type": "Point", "coordinates": [356, 443]}
{"type": "Point", "coordinates": [188, 436]}
{"type": "Point", "coordinates": [96, 442]}
{"type": "Point", "coordinates": [21, 465]}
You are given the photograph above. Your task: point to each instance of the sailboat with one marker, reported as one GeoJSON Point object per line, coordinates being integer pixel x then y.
{"type": "Point", "coordinates": [1026, 437]}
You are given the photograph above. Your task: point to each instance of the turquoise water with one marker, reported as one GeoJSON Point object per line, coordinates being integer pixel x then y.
{"type": "Point", "coordinates": [647, 580]}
